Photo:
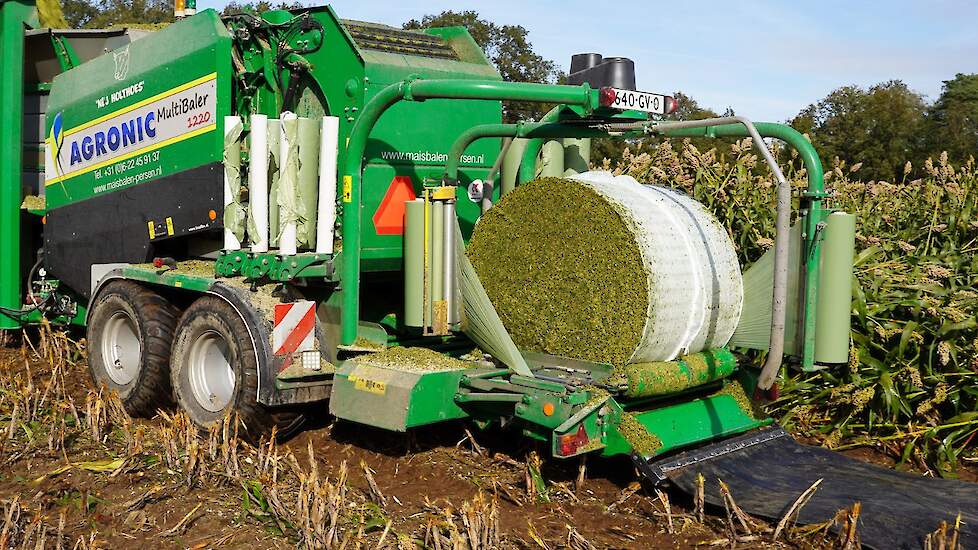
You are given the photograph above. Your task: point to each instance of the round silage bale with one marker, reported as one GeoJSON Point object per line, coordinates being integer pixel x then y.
{"type": "Point", "coordinates": [601, 267]}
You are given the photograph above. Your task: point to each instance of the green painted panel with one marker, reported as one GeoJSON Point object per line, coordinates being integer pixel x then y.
{"type": "Point", "coordinates": [698, 421]}
{"type": "Point", "coordinates": [149, 109]}
{"type": "Point", "coordinates": [413, 138]}
{"type": "Point", "coordinates": [422, 133]}
{"type": "Point", "coordinates": [433, 399]}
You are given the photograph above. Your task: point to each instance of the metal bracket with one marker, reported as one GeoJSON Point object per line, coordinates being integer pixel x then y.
{"type": "Point", "coordinates": [816, 195]}
{"type": "Point", "coordinates": [272, 266]}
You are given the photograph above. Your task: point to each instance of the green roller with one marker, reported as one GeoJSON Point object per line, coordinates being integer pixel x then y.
{"type": "Point", "coordinates": [308, 197]}
{"type": "Point", "coordinates": [667, 377]}
{"type": "Point", "coordinates": [414, 263]}
{"type": "Point", "coordinates": [835, 289]}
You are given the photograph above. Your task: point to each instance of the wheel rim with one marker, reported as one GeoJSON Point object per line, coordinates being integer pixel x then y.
{"type": "Point", "coordinates": [120, 348]}
{"type": "Point", "coordinates": [211, 374]}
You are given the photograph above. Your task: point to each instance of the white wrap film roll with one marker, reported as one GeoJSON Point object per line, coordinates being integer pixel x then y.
{"type": "Point", "coordinates": [287, 190]}
{"type": "Point", "coordinates": [694, 279]}
{"type": "Point", "coordinates": [326, 217]}
{"type": "Point", "coordinates": [258, 183]}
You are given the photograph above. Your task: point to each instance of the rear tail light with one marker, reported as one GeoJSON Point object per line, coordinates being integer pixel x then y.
{"type": "Point", "coordinates": [571, 443]}
{"type": "Point", "coordinates": [671, 105]}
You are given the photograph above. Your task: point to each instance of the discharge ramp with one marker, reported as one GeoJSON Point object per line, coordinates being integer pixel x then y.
{"type": "Point", "coordinates": [768, 470]}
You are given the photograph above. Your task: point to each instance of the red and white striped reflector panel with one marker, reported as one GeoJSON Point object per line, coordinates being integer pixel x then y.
{"type": "Point", "coordinates": [295, 327]}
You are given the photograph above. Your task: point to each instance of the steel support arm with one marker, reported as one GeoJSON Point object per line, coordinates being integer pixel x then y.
{"type": "Point", "coordinates": [419, 90]}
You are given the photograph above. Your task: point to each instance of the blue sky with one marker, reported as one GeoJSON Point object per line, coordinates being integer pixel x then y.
{"type": "Point", "coordinates": [766, 59]}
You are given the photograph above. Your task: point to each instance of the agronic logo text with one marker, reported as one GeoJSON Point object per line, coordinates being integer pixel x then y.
{"type": "Point", "coordinates": [106, 144]}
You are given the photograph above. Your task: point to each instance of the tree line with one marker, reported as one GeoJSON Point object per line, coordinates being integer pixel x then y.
{"type": "Point", "coordinates": [882, 127]}
{"type": "Point", "coordinates": [887, 125]}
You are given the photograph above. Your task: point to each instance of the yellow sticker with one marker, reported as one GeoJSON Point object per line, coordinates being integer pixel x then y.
{"type": "Point", "coordinates": [347, 188]}
{"type": "Point", "coordinates": [169, 226]}
{"type": "Point", "coordinates": [152, 229]}
{"type": "Point", "coordinates": [369, 386]}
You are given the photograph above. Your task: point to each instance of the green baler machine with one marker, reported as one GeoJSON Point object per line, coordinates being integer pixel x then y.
{"type": "Point", "coordinates": [187, 171]}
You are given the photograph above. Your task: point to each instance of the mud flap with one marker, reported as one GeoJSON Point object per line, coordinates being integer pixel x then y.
{"type": "Point", "coordinates": [767, 470]}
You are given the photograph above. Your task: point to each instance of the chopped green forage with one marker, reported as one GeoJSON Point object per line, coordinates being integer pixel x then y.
{"type": "Point", "coordinates": [641, 439]}
{"type": "Point", "coordinates": [412, 360]}
{"type": "Point", "coordinates": [564, 271]}
{"type": "Point", "coordinates": [746, 404]}
{"type": "Point", "coordinates": [665, 377]}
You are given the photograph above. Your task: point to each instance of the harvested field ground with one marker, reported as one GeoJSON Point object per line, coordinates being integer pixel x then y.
{"type": "Point", "coordinates": [76, 472]}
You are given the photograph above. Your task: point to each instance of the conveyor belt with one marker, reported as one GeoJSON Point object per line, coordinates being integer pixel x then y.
{"type": "Point", "coordinates": [767, 470]}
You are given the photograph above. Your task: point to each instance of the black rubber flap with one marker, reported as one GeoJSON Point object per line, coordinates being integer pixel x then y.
{"type": "Point", "coordinates": [767, 471]}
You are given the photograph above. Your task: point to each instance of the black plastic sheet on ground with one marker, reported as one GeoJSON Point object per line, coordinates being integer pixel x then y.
{"type": "Point", "coordinates": [766, 475]}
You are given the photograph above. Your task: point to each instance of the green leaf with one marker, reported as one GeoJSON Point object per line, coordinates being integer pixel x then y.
{"type": "Point", "coordinates": [953, 327]}
{"type": "Point", "coordinates": [905, 336]}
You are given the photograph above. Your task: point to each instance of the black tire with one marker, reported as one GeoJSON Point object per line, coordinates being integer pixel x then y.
{"type": "Point", "coordinates": [141, 377]}
{"type": "Point", "coordinates": [209, 327]}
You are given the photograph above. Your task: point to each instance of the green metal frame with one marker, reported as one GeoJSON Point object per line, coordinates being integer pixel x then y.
{"type": "Point", "coordinates": [537, 131]}
{"type": "Point", "coordinates": [275, 267]}
{"type": "Point", "coordinates": [689, 423]}
{"type": "Point", "coordinates": [549, 411]}
{"type": "Point", "coordinates": [67, 58]}
{"type": "Point", "coordinates": [175, 278]}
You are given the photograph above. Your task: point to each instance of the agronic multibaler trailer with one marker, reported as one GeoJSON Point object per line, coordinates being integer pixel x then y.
{"type": "Point", "coordinates": [243, 209]}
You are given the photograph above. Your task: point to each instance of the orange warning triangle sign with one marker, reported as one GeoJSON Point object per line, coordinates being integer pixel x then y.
{"type": "Point", "coordinates": [389, 217]}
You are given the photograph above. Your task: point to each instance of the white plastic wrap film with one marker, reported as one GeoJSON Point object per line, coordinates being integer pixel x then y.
{"type": "Point", "coordinates": [329, 138]}
{"type": "Point", "coordinates": [258, 183]}
{"type": "Point", "coordinates": [694, 281]}
{"type": "Point", "coordinates": [721, 278]}
{"type": "Point", "coordinates": [274, 132]}
{"type": "Point", "coordinates": [288, 174]}
{"type": "Point", "coordinates": [232, 176]}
